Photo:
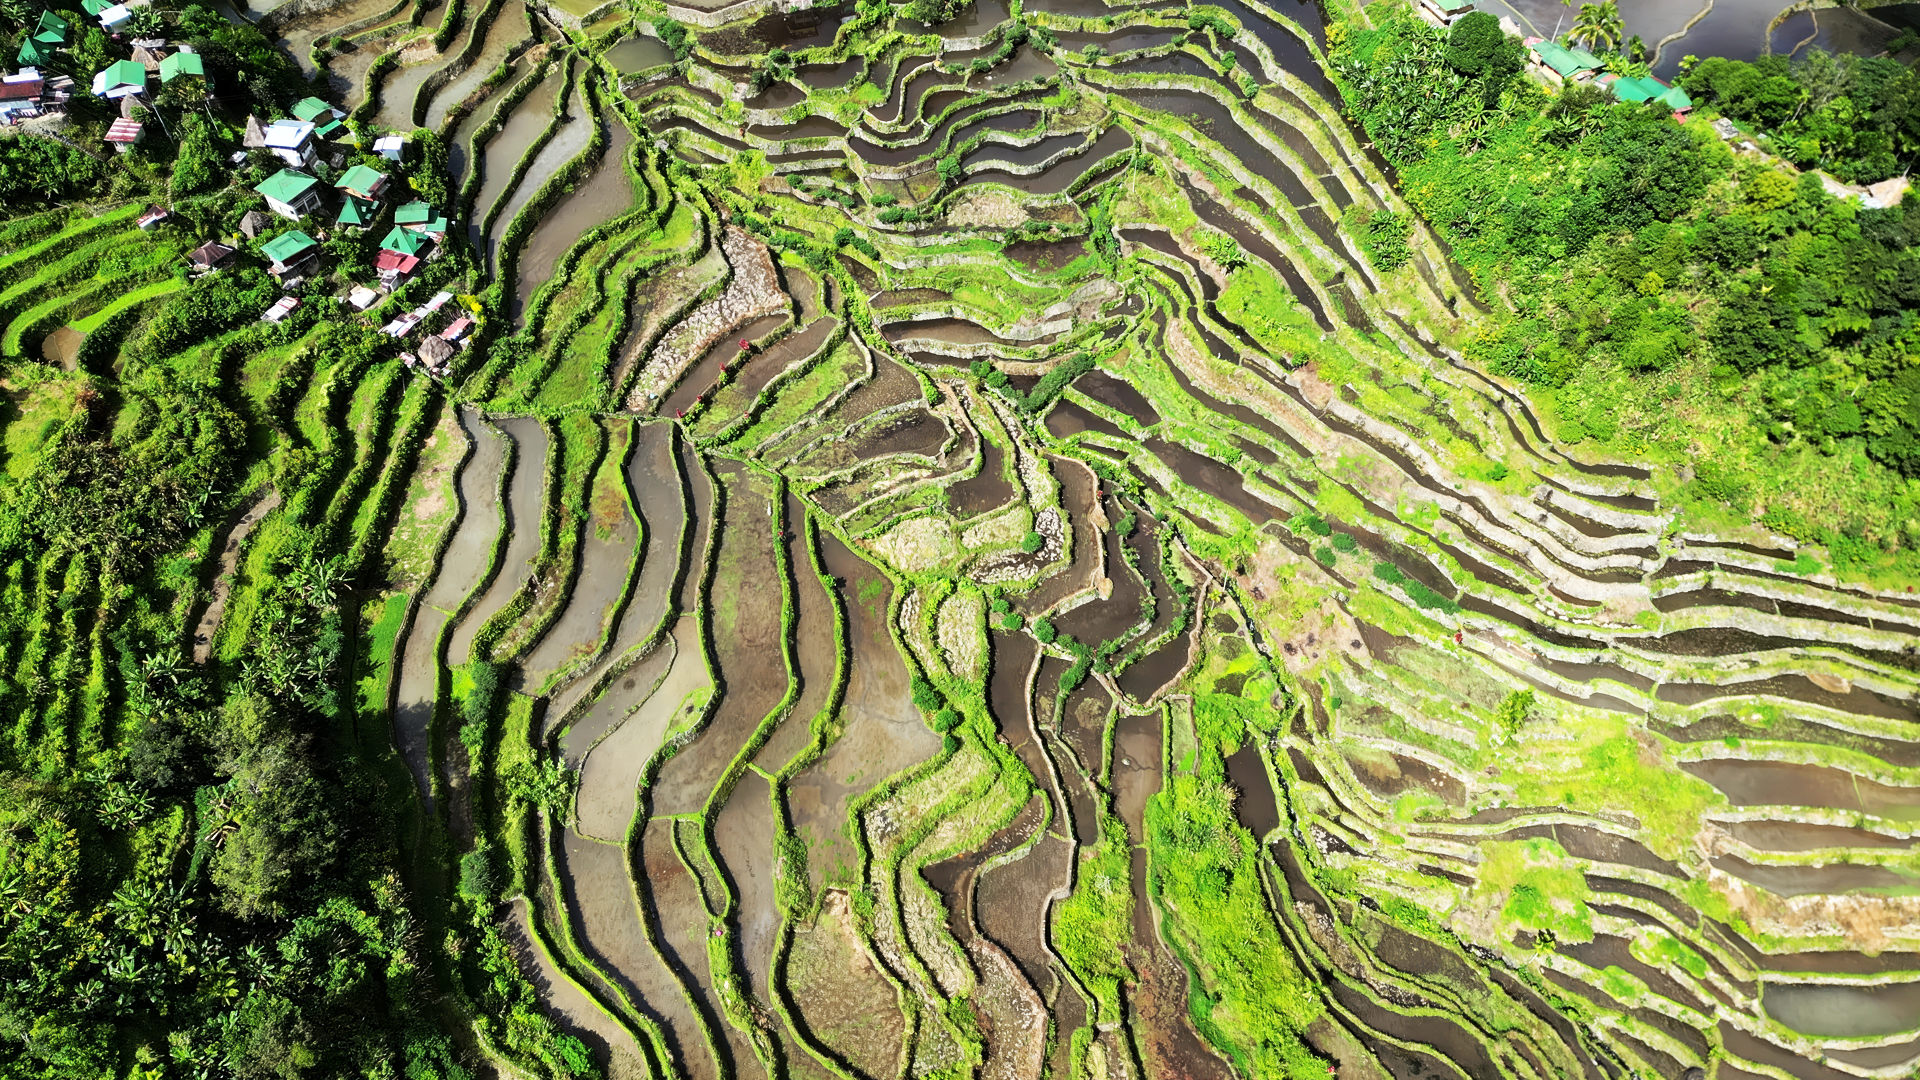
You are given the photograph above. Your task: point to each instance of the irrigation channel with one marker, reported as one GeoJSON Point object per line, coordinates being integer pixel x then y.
{"type": "Point", "coordinates": [884, 600]}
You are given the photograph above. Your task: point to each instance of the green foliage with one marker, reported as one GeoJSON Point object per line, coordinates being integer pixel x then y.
{"type": "Point", "coordinates": [926, 697]}
{"type": "Point", "coordinates": [1853, 116]}
{"type": "Point", "coordinates": [479, 879]}
{"type": "Point", "coordinates": [1043, 630]}
{"type": "Point", "coordinates": [1032, 542]}
{"type": "Point", "coordinates": [674, 36]}
{"type": "Point", "coordinates": [1383, 235]}
{"type": "Point", "coordinates": [1479, 49]}
{"type": "Point", "coordinates": [1309, 523]}
{"type": "Point", "coordinates": [1514, 710]}
{"type": "Point", "coordinates": [1326, 556]}
{"type": "Point", "coordinates": [35, 167]}
{"type": "Point", "coordinates": [1012, 621]}
{"type": "Point", "coordinates": [1345, 542]}
{"type": "Point", "coordinates": [1222, 249]}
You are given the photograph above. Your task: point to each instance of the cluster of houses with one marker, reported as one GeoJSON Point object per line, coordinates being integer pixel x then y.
{"type": "Point", "coordinates": [28, 94]}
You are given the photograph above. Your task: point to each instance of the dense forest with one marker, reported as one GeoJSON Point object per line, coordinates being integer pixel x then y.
{"type": "Point", "coordinates": [1676, 297]}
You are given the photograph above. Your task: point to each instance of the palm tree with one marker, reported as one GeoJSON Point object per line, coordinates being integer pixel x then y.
{"type": "Point", "coordinates": [1599, 25]}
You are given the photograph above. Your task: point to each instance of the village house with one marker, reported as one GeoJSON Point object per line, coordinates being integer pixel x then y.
{"type": "Point", "coordinates": [182, 63]}
{"type": "Point", "coordinates": [292, 141]}
{"type": "Point", "coordinates": [114, 17]}
{"type": "Point", "coordinates": [292, 253]}
{"type": "Point", "coordinates": [120, 79]}
{"type": "Point", "coordinates": [209, 256]}
{"type": "Point", "coordinates": [391, 147]}
{"type": "Point", "coordinates": [125, 134]}
{"type": "Point", "coordinates": [1555, 63]}
{"type": "Point", "coordinates": [418, 217]}
{"type": "Point", "coordinates": [20, 94]}
{"type": "Point", "coordinates": [290, 194]}
{"type": "Point", "coordinates": [394, 267]}
{"type": "Point", "coordinates": [363, 183]}
{"type": "Point", "coordinates": [253, 223]}
{"type": "Point", "coordinates": [152, 217]}
{"type": "Point", "coordinates": [281, 308]}
{"type": "Point", "coordinates": [324, 117]}
{"type": "Point", "coordinates": [356, 213]}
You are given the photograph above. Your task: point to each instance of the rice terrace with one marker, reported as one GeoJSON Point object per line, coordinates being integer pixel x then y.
{"type": "Point", "coordinates": [1020, 540]}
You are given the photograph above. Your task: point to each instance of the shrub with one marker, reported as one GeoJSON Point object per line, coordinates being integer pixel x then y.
{"type": "Point", "coordinates": [1044, 630]}
{"type": "Point", "coordinates": [478, 877]}
{"type": "Point", "coordinates": [1012, 621]}
{"type": "Point", "coordinates": [1325, 555]}
{"type": "Point", "coordinates": [945, 719]}
{"type": "Point", "coordinates": [1310, 523]}
{"type": "Point", "coordinates": [926, 697]}
{"type": "Point", "coordinates": [1345, 543]}
{"type": "Point", "coordinates": [1032, 542]}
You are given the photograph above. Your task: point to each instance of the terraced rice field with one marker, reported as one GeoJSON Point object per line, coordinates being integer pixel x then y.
{"type": "Point", "coordinates": [909, 526]}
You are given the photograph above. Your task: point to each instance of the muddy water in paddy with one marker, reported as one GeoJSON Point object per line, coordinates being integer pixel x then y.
{"type": "Point", "coordinates": [508, 29]}
{"type": "Point", "coordinates": [1067, 419]}
{"type": "Point", "coordinates": [744, 609]}
{"type": "Point", "coordinates": [1777, 783]}
{"type": "Point", "coordinates": [1083, 727]}
{"type": "Point", "coordinates": [611, 775]}
{"type": "Point", "coordinates": [1110, 619]}
{"type": "Point", "coordinates": [564, 146]}
{"type": "Point", "coordinates": [1136, 770]}
{"type": "Point", "coordinates": [842, 1001]}
{"type": "Point", "coordinates": [743, 841]}
{"type": "Point", "coordinates": [1146, 676]}
{"type": "Point", "coordinates": [1011, 902]}
{"type": "Point", "coordinates": [605, 563]}
{"type": "Point", "coordinates": [1846, 1012]}
{"type": "Point", "coordinates": [881, 729]}
{"type": "Point", "coordinates": [813, 648]}
{"type": "Point", "coordinates": [1118, 393]}
{"type": "Point", "coordinates": [699, 487]}
{"type": "Point", "coordinates": [502, 152]}
{"type": "Point", "coordinates": [599, 898]}
{"type": "Point", "coordinates": [988, 489]}
{"type": "Point", "coordinates": [1800, 836]}
{"type": "Point", "coordinates": [1255, 806]}
{"type": "Point", "coordinates": [654, 488]}
{"type": "Point", "coordinates": [632, 687]}
{"type": "Point", "coordinates": [605, 194]}
{"type": "Point", "coordinates": [682, 925]}
{"type": "Point", "coordinates": [523, 531]}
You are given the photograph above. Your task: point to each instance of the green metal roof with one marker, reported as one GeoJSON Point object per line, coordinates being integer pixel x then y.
{"type": "Point", "coordinates": [405, 241]}
{"type": "Point", "coordinates": [1585, 58]}
{"type": "Point", "coordinates": [1567, 62]}
{"type": "Point", "coordinates": [51, 24]}
{"type": "Point", "coordinates": [33, 54]}
{"type": "Point", "coordinates": [357, 212]}
{"type": "Point", "coordinates": [1676, 99]}
{"type": "Point", "coordinates": [413, 213]}
{"type": "Point", "coordinates": [286, 186]}
{"type": "Point", "coordinates": [360, 178]}
{"type": "Point", "coordinates": [288, 246]}
{"type": "Point", "coordinates": [126, 73]}
{"type": "Point", "coordinates": [95, 7]}
{"type": "Point", "coordinates": [320, 114]}
{"type": "Point", "coordinates": [184, 63]}
{"type": "Point", "coordinates": [1631, 88]}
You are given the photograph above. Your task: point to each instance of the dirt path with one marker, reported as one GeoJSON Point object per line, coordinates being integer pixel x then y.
{"type": "Point", "coordinates": [209, 624]}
